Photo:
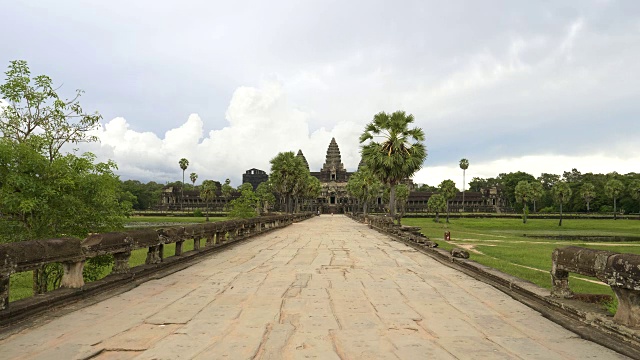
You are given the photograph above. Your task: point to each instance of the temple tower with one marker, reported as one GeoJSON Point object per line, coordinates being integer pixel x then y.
{"type": "Point", "coordinates": [333, 169]}
{"type": "Point", "coordinates": [304, 160]}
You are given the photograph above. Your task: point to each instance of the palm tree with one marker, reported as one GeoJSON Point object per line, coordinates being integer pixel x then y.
{"type": "Point", "coordinates": [184, 164]}
{"type": "Point", "coordinates": [464, 165]}
{"type": "Point", "coordinates": [561, 194]}
{"type": "Point", "coordinates": [287, 174]}
{"type": "Point", "coordinates": [363, 186]}
{"type": "Point", "coordinates": [448, 191]}
{"type": "Point", "coordinates": [207, 193]}
{"type": "Point", "coordinates": [588, 193]}
{"type": "Point", "coordinates": [193, 178]}
{"type": "Point", "coordinates": [613, 188]}
{"type": "Point", "coordinates": [536, 192]}
{"type": "Point", "coordinates": [399, 154]}
{"type": "Point", "coordinates": [523, 195]}
{"type": "Point", "coordinates": [226, 190]}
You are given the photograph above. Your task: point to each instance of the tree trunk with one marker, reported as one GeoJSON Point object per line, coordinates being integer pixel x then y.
{"type": "Point", "coordinates": [463, 183]}
{"type": "Point", "coordinates": [182, 193]}
{"type": "Point", "coordinates": [534, 206]}
{"type": "Point", "coordinates": [588, 207]}
{"type": "Point", "coordinates": [364, 208]}
{"type": "Point", "coordinates": [524, 213]}
{"type": "Point", "coordinates": [392, 201]}
{"type": "Point", "coordinates": [437, 219]}
{"type": "Point", "coordinates": [447, 211]}
{"type": "Point", "coordinates": [615, 212]}
{"type": "Point", "coordinates": [560, 223]}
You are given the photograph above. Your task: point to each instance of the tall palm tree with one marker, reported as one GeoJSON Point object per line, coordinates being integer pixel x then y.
{"type": "Point", "coordinates": [398, 155]}
{"type": "Point", "coordinates": [561, 194]}
{"type": "Point", "coordinates": [184, 164]}
{"type": "Point", "coordinates": [207, 193]}
{"type": "Point", "coordinates": [588, 193]}
{"type": "Point", "coordinates": [613, 188]}
{"type": "Point", "coordinates": [193, 178]}
{"type": "Point", "coordinates": [464, 165]}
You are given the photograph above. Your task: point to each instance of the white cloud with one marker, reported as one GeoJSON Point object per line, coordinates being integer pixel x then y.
{"type": "Point", "coordinates": [261, 123]}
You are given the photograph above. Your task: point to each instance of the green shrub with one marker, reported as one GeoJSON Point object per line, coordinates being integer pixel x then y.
{"type": "Point", "coordinates": [197, 213]}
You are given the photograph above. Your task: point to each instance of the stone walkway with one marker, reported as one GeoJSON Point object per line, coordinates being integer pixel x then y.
{"type": "Point", "coordinates": [326, 288]}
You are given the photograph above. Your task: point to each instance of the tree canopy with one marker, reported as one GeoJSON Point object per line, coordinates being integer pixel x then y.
{"type": "Point", "coordinates": [392, 150]}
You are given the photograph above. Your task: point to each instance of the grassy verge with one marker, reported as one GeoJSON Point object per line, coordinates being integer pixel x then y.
{"type": "Point", "coordinates": [507, 245]}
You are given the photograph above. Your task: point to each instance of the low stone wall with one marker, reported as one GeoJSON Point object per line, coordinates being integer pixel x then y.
{"type": "Point", "coordinates": [72, 254]}
{"type": "Point", "coordinates": [588, 320]}
{"type": "Point", "coordinates": [620, 271]}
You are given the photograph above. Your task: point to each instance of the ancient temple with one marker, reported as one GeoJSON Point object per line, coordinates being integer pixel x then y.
{"type": "Point", "coordinates": [333, 176]}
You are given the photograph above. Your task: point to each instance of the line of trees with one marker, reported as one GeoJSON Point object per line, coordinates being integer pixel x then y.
{"type": "Point", "coordinates": [606, 193]}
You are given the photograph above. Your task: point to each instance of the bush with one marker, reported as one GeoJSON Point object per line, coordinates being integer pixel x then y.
{"type": "Point", "coordinates": [606, 209]}
{"type": "Point", "coordinates": [197, 213]}
{"type": "Point", "coordinates": [547, 210]}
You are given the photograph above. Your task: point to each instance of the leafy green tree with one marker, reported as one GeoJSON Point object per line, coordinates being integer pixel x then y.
{"type": "Point", "coordinates": [43, 192]}
{"type": "Point", "coordinates": [427, 188]}
{"type": "Point", "coordinates": [613, 188]}
{"type": "Point", "coordinates": [464, 165]}
{"type": "Point", "coordinates": [193, 178]}
{"type": "Point", "coordinates": [184, 164]}
{"type": "Point", "coordinates": [523, 195]}
{"type": "Point", "coordinates": [437, 203]}
{"type": "Point", "coordinates": [265, 195]}
{"type": "Point", "coordinates": [398, 155]}
{"type": "Point", "coordinates": [510, 181]}
{"type": "Point", "coordinates": [448, 191]}
{"type": "Point", "coordinates": [587, 193]}
{"type": "Point", "coordinates": [634, 190]}
{"type": "Point", "coordinates": [287, 173]}
{"type": "Point", "coordinates": [244, 207]}
{"type": "Point", "coordinates": [208, 193]}
{"type": "Point", "coordinates": [402, 195]}
{"type": "Point", "coordinates": [537, 191]}
{"type": "Point", "coordinates": [561, 194]}
{"type": "Point", "coordinates": [38, 115]}
{"type": "Point", "coordinates": [146, 195]}
{"type": "Point", "coordinates": [479, 184]}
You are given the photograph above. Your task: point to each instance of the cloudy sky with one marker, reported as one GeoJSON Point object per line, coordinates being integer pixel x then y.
{"type": "Point", "coordinates": [536, 86]}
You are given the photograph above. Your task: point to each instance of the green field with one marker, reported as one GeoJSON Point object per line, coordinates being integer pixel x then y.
{"type": "Point", "coordinates": [522, 249]}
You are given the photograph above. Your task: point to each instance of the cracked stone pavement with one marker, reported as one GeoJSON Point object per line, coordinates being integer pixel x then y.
{"type": "Point", "coordinates": [325, 288]}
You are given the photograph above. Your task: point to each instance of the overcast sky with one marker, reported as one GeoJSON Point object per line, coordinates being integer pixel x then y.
{"type": "Point", "coordinates": [536, 86]}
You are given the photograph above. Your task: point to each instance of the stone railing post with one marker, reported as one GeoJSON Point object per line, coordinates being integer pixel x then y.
{"type": "Point", "coordinates": [72, 276]}
{"type": "Point", "coordinates": [121, 263]}
{"type": "Point", "coordinates": [4, 291]}
{"type": "Point", "coordinates": [179, 247]}
{"type": "Point", "coordinates": [153, 256]}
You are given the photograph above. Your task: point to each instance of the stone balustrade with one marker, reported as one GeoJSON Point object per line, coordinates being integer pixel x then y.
{"type": "Point", "coordinates": [620, 271]}
{"type": "Point", "coordinates": [72, 253]}
{"type": "Point", "coordinates": [386, 225]}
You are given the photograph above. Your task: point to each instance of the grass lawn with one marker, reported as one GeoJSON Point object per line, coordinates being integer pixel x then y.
{"type": "Point", "coordinates": [508, 245]}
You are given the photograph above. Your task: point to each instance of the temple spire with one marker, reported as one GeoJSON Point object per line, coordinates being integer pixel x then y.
{"type": "Point", "coordinates": [334, 160]}
{"type": "Point", "coordinates": [304, 160]}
